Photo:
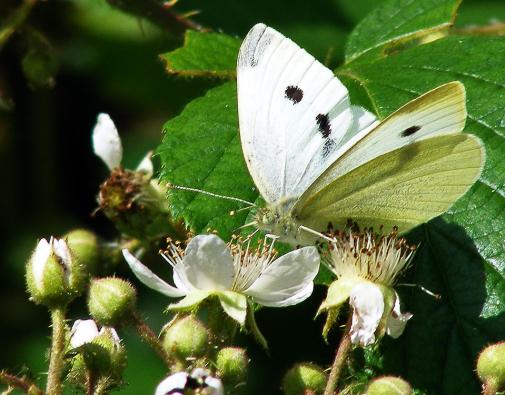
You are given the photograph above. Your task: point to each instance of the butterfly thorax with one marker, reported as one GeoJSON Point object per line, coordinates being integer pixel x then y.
{"type": "Point", "coordinates": [279, 219]}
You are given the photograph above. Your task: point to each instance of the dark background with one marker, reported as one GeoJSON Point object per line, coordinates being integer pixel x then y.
{"type": "Point", "coordinates": [108, 62]}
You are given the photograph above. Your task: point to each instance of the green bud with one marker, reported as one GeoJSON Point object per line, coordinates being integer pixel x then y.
{"type": "Point", "coordinates": [111, 300]}
{"type": "Point", "coordinates": [99, 352]}
{"type": "Point", "coordinates": [53, 276]}
{"type": "Point", "coordinates": [232, 363]}
{"type": "Point", "coordinates": [491, 366]}
{"type": "Point", "coordinates": [39, 62]}
{"type": "Point", "coordinates": [186, 338]}
{"type": "Point", "coordinates": [303, 377]}
{"type": "Point", "coordinates": [389, 385]}
{"type": "Point", "coordinates": [86, 248]}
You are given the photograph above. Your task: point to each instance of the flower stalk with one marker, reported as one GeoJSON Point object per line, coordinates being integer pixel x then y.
{"type": "Point", "coordinates": [147, 334]}
{"type": "Point", "coordinates": [340, 357]}
{"type": "Point", "coordinates": [54, 385]}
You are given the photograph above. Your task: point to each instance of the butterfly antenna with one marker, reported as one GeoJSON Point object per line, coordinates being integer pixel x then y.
{"type": "Point", "coordinates": [172, 186]}
{"type": "Point", "coordinates": [314, 232]}
{"type": "Point", "coordinates": [246, 226]}
{"type": "Point", "coordinates": [436, 296]}
{"type": "Point", "coordinates": [233, 212]}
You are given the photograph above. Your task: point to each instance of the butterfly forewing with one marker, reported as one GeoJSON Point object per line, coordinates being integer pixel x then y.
{"type": "Point", "coordinates": [294, 114]}
{"type": "Point", "coordinates": [437, 112]}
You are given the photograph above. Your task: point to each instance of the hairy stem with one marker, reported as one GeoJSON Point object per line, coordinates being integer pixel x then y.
{"type": "Point", "coordinates": [150, 338]}
{"type": "Point", "coordinates": [21, 383]}
{"type": "Point", "coordinates": [159, 13]}
{"type": "Point", "coordinates": [57, 352]}
{"type": "Point", "coordinates": [340, 357]}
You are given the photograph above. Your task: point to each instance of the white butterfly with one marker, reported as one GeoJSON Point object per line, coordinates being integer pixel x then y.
{"type": "Point", "coordinates": [316, 158]}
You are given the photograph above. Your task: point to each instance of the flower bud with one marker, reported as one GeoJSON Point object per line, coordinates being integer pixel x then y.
{"type": "Point", "coordinates": [53, 276]}
{"type": "Point", "coordinates": [491, 366]}
{"type": "Point", "coordinates": [232, 363]}
{"type": "Point", "coordinates": [98, 351]}
{"type": "Point", "coordinates": [303, 377]}
{"type": "Point", "coordinates": [186, 338]}
{"type": "Point", "coordinates": [111, 300]}
{"type": "Point", "coordinates": [86, 248]}
{"type": "Point", "coordinates": [389, 385]}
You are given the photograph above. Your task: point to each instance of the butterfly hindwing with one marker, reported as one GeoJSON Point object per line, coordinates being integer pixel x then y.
{"type": "Point", "coordinates": [294, 114]}
{"type": "Point", "coordinates": [403, 188]}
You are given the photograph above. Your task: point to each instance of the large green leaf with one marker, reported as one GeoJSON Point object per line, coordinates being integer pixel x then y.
{"type": "Point", "coordinates": [201, 149]}
{"type": "Point", "coordinates": [398, 20]}
{"type": "Point", "coordinates": [462, 255]}
{"type": "Point", "coordinates": [204, 55]}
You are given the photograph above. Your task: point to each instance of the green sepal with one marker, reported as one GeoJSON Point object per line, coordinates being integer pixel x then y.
{"type": "Point", "coordinates": [389, 297]}
{"type": "Point", "coordinates": [338, 292]}
{"type": "Point", "coordinates": [191, 301]}
{"type": "Point", "coordinates": [234, 304]}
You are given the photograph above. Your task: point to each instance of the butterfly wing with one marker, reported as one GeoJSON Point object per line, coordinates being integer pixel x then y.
{"type": "Point", "coordinates": [403, 188]}
{"type": "Point", "coordinates": [294, 114]}
{"type": "Point", "coordinates": [410, 168]}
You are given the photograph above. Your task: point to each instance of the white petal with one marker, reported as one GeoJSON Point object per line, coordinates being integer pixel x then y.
{"type": "Point", "coordinates": [288, 280]}
{"type": "Point", "coordinates": [39, 259]}
{"type": "Point", "coordinates": [106, 141]}
{"type": "Point", "coordinates": [208, 264]}
{"type": "Point", "coordinates": [83, 331]}
{"type": "Point", "coordinates": [150, 279]}
{"type": "Point", "coordinates": [215, 384]}
{"type": "Point", "coordinates": [61, 250]}
{"type": "Point", "coordinates": [397, 320]}
{"type": "Point", "coordinates": [172, 383]}
{"type": "Point", "coordinates": [368, 306]}
{"type": "Point", "coordinates": [146, 165]}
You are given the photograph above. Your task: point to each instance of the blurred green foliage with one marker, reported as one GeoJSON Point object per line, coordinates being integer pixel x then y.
{"type": "Point", "coordinates": [66, 61]}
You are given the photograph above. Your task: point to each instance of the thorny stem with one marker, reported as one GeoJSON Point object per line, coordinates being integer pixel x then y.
{"type": "Point", "coordinates": [57, 352]}
{"type": "Point", "coordinates": [21, 383]}
{"type": "Point", "coordinates": [147, 334]}
{"type": "Point", "coordinates": [15, 20]}
{"type": "Point", "coordinates": [340, 357]}
{"type": "Point", "coordinates": [158, 12]}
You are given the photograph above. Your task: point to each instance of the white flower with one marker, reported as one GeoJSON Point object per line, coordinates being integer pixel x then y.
{"type": "Point", "coordinates": [208, 266]}
{"type": "Point", "coordinates": [180, 382]}
{"type": "Point", "coordinates": [85, 331]}
{"type": "Point", "coordinates": [366, 266]}
{"type": "Point", "coordinates": [107, 145]}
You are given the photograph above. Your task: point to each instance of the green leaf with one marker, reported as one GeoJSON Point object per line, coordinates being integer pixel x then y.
{"type": "Point", "coordinates": [462, 255]}
{"type": "Point", "coordinates": [395, 21]}
{"type": "Point", "coordinates": [201, 149]}
{"type": "Point", "coordinates": [204, 55]}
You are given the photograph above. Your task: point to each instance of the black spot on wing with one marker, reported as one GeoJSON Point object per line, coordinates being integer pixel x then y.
{"type": "Point", "coordinates": [323, 124]}
{"type": "Point", "coordinates": [254, 45]}
{"type": "Point", "coordinates": [294, 93]}
{"type": "Point", "coordinates": [410, 131]}
{"type": "Point", "coordinates": [328, 148]}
